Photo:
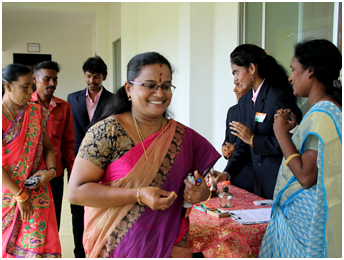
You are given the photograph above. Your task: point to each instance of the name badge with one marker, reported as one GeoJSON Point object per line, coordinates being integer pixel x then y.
{"type": "Point", "coordinates": [260, 117]}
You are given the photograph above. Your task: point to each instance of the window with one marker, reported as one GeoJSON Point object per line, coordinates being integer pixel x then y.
{"type": "Point", "coordinates": [278, 26]}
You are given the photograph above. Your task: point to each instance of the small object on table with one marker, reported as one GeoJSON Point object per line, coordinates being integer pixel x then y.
{"type": "Point", "coordinates": [263, 202]}
{"type": "Point", "coordinates": [218, 213]}
{"type": "Point", "coordinates": [225, 197]}
{"type": "Point", "coordinates": [251, 216]}
{"type": "Point", "coordinates": [200, 207]}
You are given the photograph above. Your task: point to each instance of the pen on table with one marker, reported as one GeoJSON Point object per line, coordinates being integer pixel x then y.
{"type": "Point", "coordinates": [265, 204]}
{"type": "Point", "coordinates": [234, 216]}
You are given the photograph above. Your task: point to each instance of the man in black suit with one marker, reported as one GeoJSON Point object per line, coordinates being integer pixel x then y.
{"type": "Point", "coordinates": [240, 165]}
{"type": "Point", "coordinates": [86, 104]}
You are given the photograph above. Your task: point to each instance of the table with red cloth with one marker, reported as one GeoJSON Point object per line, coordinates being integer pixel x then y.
{"type": "Point", "coordinates": [225, 237]}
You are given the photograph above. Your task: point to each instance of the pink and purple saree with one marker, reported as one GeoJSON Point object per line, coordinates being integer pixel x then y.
{"type": "Point", "coordinates": [137, 231]}
{"type": "Point", "coordinates": [22, 150]}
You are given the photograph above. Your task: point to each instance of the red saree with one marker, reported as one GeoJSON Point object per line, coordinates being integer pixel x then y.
{"type": "Point", "coordinates": [137, 231]}
{"type": "Point", "coordinates": [22, 150]}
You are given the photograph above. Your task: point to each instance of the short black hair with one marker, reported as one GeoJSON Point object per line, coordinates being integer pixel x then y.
{"type": "Point", "coordinates": [326, 61]}
{"type": "Point", "coordinates": [50, 65]}
{"type": "Point", "coordinates": [95, 65]}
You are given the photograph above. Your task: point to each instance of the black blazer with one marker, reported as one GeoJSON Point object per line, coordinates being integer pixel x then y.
{"type": "Point", "coordinates": [266, 153]}
{"type": "Point", "coordinates": [239, 166]}
{"type": "Point", "coordinates": [77, 101]}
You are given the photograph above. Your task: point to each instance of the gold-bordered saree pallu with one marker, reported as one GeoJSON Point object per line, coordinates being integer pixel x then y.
{"type": "Point", "coordinates": [137, 231]}
{"type": "Point", "coordinates": [22, 149]}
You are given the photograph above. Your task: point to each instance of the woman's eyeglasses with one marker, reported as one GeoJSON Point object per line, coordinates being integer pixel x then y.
{"type": "Point", "coordinates": [153, 87]}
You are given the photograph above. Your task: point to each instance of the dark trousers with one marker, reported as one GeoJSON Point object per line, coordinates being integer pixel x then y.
{"type": "Point", "coordinates": [78, 228]}
{"type": "Point", "coordinates": [56, 185]}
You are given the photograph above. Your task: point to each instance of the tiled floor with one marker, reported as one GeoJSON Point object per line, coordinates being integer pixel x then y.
{"type": "Point", "coordinates": [66, 233]}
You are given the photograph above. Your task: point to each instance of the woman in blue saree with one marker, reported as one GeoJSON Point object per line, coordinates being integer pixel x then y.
{"type": "Point", "coordinates": [306, 215]}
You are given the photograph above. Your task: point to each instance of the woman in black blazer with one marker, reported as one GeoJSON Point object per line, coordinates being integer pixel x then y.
{"type": "Point", "coordinates": [271, 91]}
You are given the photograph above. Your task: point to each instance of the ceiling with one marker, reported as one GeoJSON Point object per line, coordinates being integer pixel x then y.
{"type": "Point", "coordinates": [47, 15]}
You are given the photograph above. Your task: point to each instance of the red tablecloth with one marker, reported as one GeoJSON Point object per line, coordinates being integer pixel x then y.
{"type": "Point", "coordinates": [224, 237]}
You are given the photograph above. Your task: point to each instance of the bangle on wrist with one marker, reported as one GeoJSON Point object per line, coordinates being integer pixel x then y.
{"type": "Point", "coordinates": [22, 197]}
{"type": "Point", "coordinates": [251, 141]}
{"type": "Point", "coordinates": [138, 197]}
{"type": "Point", "coordinates": [19, 192]}
{"type": "Point", "coordinates": [291, 157]}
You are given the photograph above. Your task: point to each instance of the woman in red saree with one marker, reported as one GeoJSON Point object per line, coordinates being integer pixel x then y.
{"type": "Point", "coordinates": [131, 168]}
{"type": "Point", "coordinates": [29, 227]}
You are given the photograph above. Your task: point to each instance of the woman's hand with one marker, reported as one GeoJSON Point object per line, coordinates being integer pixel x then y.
{"type": "Point", "coordinates": [241, 131]}
{"type": "Point", "coordinates": [156, 198]}
{"type": "Point", "coordinates": [26, 209]}
{"type": "Point", "coordinates": [284, 121]}
{"type": "Point", "coordinates": [220, 177]}
{"type": "Point", "coordinates": [46, 176]}
{"type": "Point", "coordinates": [196, 193]}
{"type": "Point", "coordinates": [228, 150]}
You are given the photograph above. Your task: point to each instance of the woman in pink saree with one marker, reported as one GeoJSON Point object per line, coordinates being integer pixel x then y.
{"type": "Point", "coordinates": [29, 227]}
{"type": "Point", "coordinates": [131, 168]}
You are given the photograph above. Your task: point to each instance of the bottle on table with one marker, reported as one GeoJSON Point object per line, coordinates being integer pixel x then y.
{"type": "Point", "coordinates": [225, 198]}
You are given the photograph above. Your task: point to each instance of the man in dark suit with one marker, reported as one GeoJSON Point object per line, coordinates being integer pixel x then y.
{"type": "Point", "coordinates": [86, 104]}
{"type": "Point", "coordinates": [239, 162]}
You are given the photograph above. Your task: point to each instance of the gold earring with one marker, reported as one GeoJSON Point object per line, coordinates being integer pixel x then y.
{"type": "Point", "coordinates": [129, 98]}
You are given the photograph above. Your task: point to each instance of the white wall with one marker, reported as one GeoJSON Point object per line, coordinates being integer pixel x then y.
{"type": "Point", "coordinates": [226, 38]}
{"type": "Point", "coordinates": [201, 51]}
{"type": "Point", "coordinates": [195, 37]}
{"type": "Point", "coordinates": [67, 48]}
{"type": "Point", "coordinates": [151, 27]}
{"type": "Point", "coordinates": [114, 33]}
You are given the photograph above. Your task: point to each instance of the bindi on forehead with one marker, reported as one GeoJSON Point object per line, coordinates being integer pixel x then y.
{"type": "Point", "coordinates": [160, 73]}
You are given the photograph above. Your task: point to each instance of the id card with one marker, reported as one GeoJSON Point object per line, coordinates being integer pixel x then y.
{"type": "Point", "coordinates": [260, 117]}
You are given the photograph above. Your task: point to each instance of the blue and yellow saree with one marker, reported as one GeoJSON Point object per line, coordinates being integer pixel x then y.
{"type": "Point", "coordinates": [308, 222]}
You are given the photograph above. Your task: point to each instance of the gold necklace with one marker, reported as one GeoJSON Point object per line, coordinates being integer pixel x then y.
{"type": "Point", "coordinates": [8, 111]}
{"type": "Point", "coordinates": [141, 135]}
{"type": "Point", "coordinates": [319, 99]}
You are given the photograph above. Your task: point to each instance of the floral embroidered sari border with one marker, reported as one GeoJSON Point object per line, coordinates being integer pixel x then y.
{"type": "Point", "coordinates": [7, 220]}
{"type": "Point", "coordinates": [135, 212]}
{"type": "Point", "coordinates": [45, 120]}
{"type": "Point", "coordinates": [15, 129]}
